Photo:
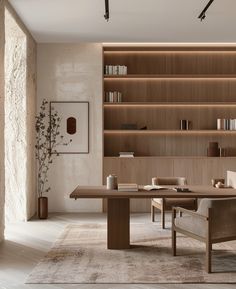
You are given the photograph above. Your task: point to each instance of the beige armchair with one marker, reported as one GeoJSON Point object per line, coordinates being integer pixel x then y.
{"type": "Point", "coordinates": [165, 204]}
{"type": "Point", "coordinates": [214, 222]}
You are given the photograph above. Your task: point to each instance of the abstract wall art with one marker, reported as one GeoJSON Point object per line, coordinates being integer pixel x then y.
{"type": "Point", "coordinates": [74, 126]}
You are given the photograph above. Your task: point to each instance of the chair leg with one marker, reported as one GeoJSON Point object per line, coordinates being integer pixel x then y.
{"type": "Point", "coordinates": [163, 218]}
{"type": "Point", "coordinates": [173, 233]}
{"type": "Point", "coordinates": [173, 242]}
{"type": "Point", "coordinates": [152, 213]}
{"type": "Point", "coordinates": [208, 256]}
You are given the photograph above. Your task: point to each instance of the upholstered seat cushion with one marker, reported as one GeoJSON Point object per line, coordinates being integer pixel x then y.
{"type": "Point", "coordinates": [192, 224]}
{"type": "Point", "coordinates": [176, 202]}
{"type": "Point", "coordinates": [223, 215]}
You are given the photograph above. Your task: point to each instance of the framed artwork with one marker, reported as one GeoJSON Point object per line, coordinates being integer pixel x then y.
{"type": "Point", "coordinates": [74, 126]}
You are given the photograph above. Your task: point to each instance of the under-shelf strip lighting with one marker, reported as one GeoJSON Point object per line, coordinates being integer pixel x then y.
{"type": "Point", "coordinates": [170, 52]}
{"type": "Point", "coordinates": [171, 132]}
{"type": "Point", "coordinates": [168, 105]}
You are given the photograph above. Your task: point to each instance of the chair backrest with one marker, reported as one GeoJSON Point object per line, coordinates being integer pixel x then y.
{"type": "Point", "coordinates": [175, 181]}
{"type": "Point", "coordinates": [223, 216]}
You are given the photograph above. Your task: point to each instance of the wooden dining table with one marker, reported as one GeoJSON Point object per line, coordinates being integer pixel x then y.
{"type": "Point", "coordinates": [118, 205]}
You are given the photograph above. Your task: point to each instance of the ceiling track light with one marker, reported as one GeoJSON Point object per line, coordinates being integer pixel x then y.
{"type": "Point", "coordinates": [107, 13]}
{"type": "Point", "coordinates": [202, 15]}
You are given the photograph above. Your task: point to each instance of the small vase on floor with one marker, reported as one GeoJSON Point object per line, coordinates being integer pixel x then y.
{"type": "Point", "coordinates": [42, 207]}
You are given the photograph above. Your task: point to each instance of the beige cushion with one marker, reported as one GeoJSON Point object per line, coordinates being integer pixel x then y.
{"type": "Point", "coordinates": [191, 224]}
{"type": "Point", "coordinates": [223, 218]}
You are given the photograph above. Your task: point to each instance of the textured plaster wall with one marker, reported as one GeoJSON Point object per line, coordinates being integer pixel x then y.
{"type": "Point", "coordinates": [1, 119]}
{"type": "Point", "coordinates": [20, 104]}
{"type": "Point", "coordinates": [15, 120]}
{"type": "Point", "coordinates": [70, 72]}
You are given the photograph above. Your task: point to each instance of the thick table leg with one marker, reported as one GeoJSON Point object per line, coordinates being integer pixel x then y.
{"type": "Point", "coordinates": [118, 222]}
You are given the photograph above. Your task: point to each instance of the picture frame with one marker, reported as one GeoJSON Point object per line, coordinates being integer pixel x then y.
{"type": "Point", "coordinates": [74, 126]}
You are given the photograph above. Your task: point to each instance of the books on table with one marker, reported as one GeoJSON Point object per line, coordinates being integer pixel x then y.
{"type": "Point", "coordinates": [154, 187]}
{"type": "Point", "coordinates": [126, 154]}
{"type": "Point", "coordinates": [127, 187]}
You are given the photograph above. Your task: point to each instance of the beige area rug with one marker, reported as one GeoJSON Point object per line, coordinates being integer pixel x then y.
{"type": "Point", "coordinates": [80, 256]}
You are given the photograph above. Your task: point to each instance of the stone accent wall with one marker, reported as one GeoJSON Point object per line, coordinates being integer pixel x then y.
{"type": "Point", "coordinates": [30, 120]}
{"type": "Point", "coordinates": [15, 120]}
{"type": "Point", "coordinates": [1, 119]}
{"type": "Point", "coordinates": [20, 69]}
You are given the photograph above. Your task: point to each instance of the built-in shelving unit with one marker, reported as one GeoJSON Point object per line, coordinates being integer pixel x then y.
{"type": "Point", "coordinates": [165, 84]}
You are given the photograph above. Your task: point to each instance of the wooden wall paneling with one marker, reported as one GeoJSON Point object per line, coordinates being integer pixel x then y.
{"type": "Point", "coordinates": [174, 62]}
{"type": "Point", "coordinates": [179, 144]}
{"type": "Point", "coordinates": [191, 74]}
{"type": "Point", "coordinates": [174, 90]}
{"type": "Point", "coordinates": [167, 117]}
{"type": "Point", "coordinates": [137, 170]}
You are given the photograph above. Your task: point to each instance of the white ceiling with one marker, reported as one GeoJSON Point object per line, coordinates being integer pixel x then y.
{"type": "Point", "coordinates": [131, 20]}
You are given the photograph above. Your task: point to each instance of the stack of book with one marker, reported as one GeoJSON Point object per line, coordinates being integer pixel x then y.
{"type": "Point", "coordinates": [113, 96]}
{"type": "Point", "coordinates": [115, 70]}
{"type": "Point", "coordinates": [126, 154]}
{"type": "Point", "coordinates": [226, 124]}
{"type": "Point", "coordinates": [127, 187]}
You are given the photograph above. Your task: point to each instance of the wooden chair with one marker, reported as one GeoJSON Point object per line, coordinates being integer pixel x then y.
{"type": "Point", "coordinates": [214, 222]}
{"type": "Point", "coordinates": [164, 204]}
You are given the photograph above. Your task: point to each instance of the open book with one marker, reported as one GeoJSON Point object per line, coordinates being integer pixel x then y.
{"type": "Point", "coordinates": [154, 187]}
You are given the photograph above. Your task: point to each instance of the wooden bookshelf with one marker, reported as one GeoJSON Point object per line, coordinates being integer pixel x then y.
{"type": "Point", "coordinates": [165, 84]}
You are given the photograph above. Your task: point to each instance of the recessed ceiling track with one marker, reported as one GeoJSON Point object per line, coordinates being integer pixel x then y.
{"type": "Point", "coordinates": [107, 13]}
{"type": "Point", "coordinates": [202, 15]}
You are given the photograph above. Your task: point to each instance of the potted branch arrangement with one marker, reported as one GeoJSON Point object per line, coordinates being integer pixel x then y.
{"type": "Point", "coordinates": [48, 137]}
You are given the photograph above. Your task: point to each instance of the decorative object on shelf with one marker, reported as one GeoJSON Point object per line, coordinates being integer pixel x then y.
{"type": "Point", "coordinates": [47, 128]}
{"type": "Point", "coordinates": [116, 70]}
{"type": "Point", "coordinates": [143, 128]}
{"type": "Point", "coordinates": [112, 182]}
{"type": "Point", "coordinates": [126, 154]}
{"type": "Point", "coordinates": [223, 152]}
{"type": "Point", "coordinates": [226, 124]}
{"type": "Point", "coordinates": [185, 124]}
{"type": "Point", "coordinates": [216, 181]}
{"type": "Point", "coordinates": [221, 124]}
{"type": "Point", "coordinates": [113, 96]}
{"type": "Point", "coordinates": [129, 126]}
{"type": "Point", "coordinates": [213, 150]}
{"type": "Point", "coordinates": [76, 114]}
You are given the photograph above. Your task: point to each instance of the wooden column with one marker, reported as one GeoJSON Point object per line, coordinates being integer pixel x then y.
{"type": "Point", "coordinates": [118, 223]}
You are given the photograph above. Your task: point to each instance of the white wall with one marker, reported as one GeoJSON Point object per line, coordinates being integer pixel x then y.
{"type": "Point", "coordinates": [73, 72]}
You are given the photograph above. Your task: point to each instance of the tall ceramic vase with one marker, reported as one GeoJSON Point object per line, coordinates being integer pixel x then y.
{"type": "Point", "coordinates": [42, 207]}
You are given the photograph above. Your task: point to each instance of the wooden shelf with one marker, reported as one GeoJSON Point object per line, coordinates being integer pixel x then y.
{"type": "Point", "coordinates": [163, 48]}
{"type": "Point", "coordinates": [171, 76]}
{"type": "Point", "coordinates": [169, 104]}
{"type": "Point", "coordinates": [169, 157]}
{"type": "Point", "coordinates": [175, 132]}
{"type": "Point", "coordinates": [167, 83]}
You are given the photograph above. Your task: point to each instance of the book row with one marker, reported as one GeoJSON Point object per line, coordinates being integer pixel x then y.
{"type": "Point", "coordinates": [115, 70]}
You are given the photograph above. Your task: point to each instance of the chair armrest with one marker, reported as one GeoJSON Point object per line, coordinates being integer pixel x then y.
{"type": "Point", "coordinates": [192, 213]}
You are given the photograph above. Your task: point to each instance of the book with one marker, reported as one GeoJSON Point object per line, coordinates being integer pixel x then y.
{"type": "Point", "coordinates": [127, 187]}
{"type": "Point", "coordinates": [154, 187]}
{"type": "Point", "coordinates": [182, 190]}
{"type": "Point", "coordinates": [126, 154]}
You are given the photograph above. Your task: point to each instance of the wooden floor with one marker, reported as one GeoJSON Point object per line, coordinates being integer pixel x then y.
{"type": "Point", "coordinates": [26, 244]}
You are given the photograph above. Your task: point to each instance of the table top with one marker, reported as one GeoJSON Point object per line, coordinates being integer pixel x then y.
{"type": "Point", "coordinates": [196, 192]}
